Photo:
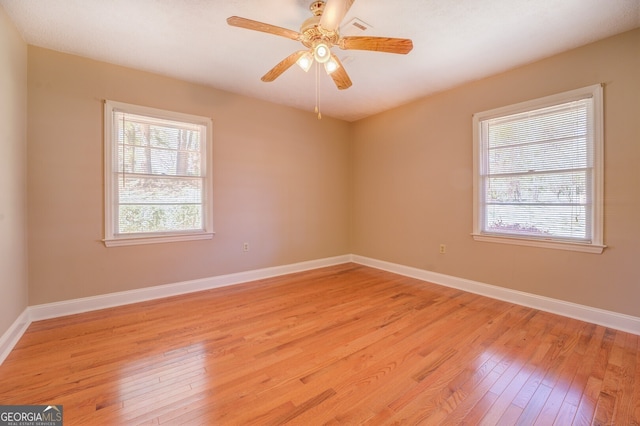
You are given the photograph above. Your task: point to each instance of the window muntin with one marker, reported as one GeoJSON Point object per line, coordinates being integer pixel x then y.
{"type": "Point", "coordinates": [538, 172]}
{"type": "Point", "coordinates": [158, 186]}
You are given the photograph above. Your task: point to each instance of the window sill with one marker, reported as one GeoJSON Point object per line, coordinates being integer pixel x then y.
{"type": "Point", "coordinates": [530, 242]}
{"type": "Point", "coordinates": [156, 239]}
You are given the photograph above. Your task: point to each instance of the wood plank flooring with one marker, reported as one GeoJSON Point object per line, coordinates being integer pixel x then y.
{"type": "Point", "coordinates": [340, 345]}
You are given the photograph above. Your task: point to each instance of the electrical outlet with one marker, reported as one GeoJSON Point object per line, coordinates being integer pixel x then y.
{"type": "Point", "coordinates": [245, 247]}
{"type": "Point", "coordinates": [443, 249]}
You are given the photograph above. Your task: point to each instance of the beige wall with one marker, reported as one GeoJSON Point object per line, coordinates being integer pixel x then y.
{"type": "Point", "coordinates": [412, 182]}
{"type": "Point", "coordinates": [391, 187]}
{"type": "Point", "coordinates": [13, 154]}
{"type": "Point", "coordinates": [280, 182]}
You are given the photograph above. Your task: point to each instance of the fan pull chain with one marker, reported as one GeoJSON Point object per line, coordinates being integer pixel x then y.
{"type": "Point", "coordinates": [317, 110]}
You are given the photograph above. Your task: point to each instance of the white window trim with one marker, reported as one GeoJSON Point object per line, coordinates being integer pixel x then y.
{"type": "Point", "coordinates": [113, 240]}
{"type": "Point", "coordinates": [597, 244]}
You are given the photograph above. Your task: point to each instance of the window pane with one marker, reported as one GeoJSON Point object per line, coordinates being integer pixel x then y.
{"type": "Point", "coordinates": [158, 149]}
{"type": "Point", "coordinates": [174, 138]}
{"type": "Point", "coordinates": [565, 222]}
{"type": "Point", "coordinates": [146, 160]}
{"type": "Point", "coordinates": [556, 188]}
{"type": "Point", "coordinates": [555, 155]}
{"type": "Point", "coordinates": [552, 123]}
{"type": "Point", "coordinates": [143, 218]}
{"type": "Point", "coordinates": [158, 190]}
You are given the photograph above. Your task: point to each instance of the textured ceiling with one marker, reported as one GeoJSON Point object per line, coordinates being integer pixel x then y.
{"type": "Point", "coordinates": [455, 41]}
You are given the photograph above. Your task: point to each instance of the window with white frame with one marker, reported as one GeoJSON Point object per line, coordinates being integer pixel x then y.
{"type": "Point", "coordinates": [157, 175]}
{"type": "Point", "coordinates": [538, 172]}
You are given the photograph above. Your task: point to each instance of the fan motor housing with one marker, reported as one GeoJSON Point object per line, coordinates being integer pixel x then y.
{"type": "Point", "coordinates": [312, 32]}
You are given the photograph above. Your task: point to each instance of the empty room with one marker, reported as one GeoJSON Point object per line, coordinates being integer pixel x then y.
{"type": "Point", "coordinates": [320, 212]}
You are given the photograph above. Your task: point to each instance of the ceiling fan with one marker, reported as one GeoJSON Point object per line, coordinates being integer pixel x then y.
{"type": "Point", "coordinates": [319, 34]}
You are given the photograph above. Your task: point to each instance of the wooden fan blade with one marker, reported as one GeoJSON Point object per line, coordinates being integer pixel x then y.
{"type": "Point", "coordinates": [378, 44]}
{"type": "Point", "coordinates": [236, 21]}
{"type": "Point", "coordinates": [340, 76]}
{"type": "Point", "coordinates": [334, 12]}
{"type": "Point", "coordinates": [282, 66]}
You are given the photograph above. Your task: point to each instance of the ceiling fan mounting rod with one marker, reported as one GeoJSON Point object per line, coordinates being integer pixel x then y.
{"type": "Point", "coordinates": [317, 7]}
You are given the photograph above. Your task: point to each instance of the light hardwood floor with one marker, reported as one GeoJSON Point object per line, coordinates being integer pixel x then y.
{"type": "Point", "coordinates": [340, 345]}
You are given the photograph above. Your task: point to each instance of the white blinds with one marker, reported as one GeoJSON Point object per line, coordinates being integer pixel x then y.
{"type": "Point", "coordinates": [159, 175]}
{"type": "Point", "coordinates": [536, 172]}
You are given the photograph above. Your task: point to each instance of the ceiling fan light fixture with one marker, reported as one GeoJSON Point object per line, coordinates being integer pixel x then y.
{"type": "Point", "coordinates": [319, 34]}
{"type": "Point", "coordinates": [321, 52]}
{"type": "Point", "coordinates": [305, 61]}
{"type": "Point", "coordinates": [331, 65]}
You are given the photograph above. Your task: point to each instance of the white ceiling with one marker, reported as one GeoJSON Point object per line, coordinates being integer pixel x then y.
{"type": "Point", "coordinates": [455, 41]}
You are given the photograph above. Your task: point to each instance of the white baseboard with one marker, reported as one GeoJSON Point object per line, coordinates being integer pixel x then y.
{"type": "Point", "coordinates": [85, 304]}
{"type": "Point", "coordinates": [75, 306]}
{"type": "Point", "coordinates": [9, 339]}
{"type": "Point", "coordinates": [602, 317]}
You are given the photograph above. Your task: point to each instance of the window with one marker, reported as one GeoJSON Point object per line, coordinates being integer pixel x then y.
{"type": "Point", "coordinates": [157, 175]}
{"type": "Point", "coordinates": [538, 172]}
